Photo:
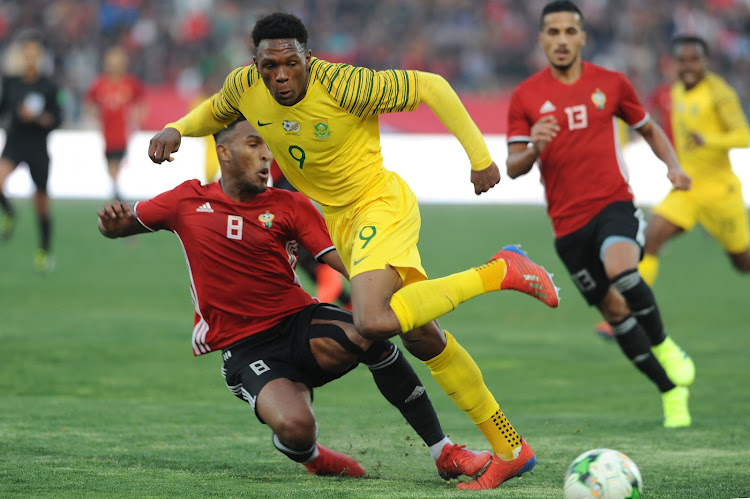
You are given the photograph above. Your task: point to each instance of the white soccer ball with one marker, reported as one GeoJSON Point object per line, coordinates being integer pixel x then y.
{"type": "Point", "coordinates": [603, 474]}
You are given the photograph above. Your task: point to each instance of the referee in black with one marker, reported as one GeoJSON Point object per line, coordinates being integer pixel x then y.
{"type": "Point", "coordinates": [29, 106]}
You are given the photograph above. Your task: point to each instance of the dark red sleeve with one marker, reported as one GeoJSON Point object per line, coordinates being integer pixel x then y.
{"type": "Point", "coordinates": [309, 227]}
{"type": "Point", "coordinates": [630, 109]}
{"type": "Point", "coordinates": [92, 91]}
{"type": "Point", "coordinates": [161, 212]}
{"type": "Point", "coordinates": [519, 128]}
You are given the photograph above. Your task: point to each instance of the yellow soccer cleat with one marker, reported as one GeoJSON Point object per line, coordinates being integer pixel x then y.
{"type": "Point", "coordinates": [43, 261]}
{"type": "Point", "coordinates": [679, 366]}
{"type": "Point", "coordinates": [675, 403]}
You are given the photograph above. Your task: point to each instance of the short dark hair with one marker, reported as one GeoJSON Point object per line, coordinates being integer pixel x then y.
{"type": "Point", "coordinates": [221, 134]}
{"type": "Point", "coordinates": [687, 39]}
{"type": "Point", "coordinates": [559, 6]}
{"type": "Point", "coordinates": [277, 26]}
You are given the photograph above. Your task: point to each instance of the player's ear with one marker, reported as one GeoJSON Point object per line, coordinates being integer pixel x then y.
{"type": "Point", "coordinates": [223, 152]}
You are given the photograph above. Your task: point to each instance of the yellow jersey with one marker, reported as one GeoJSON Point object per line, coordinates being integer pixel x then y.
{"type": "Point", "coordinates": [328, 143]}
{"type": "Point", "coordinates": [712, 110]}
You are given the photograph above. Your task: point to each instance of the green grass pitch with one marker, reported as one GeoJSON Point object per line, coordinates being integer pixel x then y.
{"type": "Point", "coordinates": [100, 395]}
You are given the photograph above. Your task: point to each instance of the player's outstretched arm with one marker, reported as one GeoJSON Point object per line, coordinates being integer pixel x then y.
{"type": "Point", "coordinates": [197, 123]}
{"type": "Point", "coordinates": [119, 220]}
{"type": "Point", "coordinates": [663, 149]}
{"type": "Point", "coordinates": [437, 93]}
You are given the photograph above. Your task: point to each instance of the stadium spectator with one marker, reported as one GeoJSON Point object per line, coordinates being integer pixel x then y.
{"type": "Point", "coordinates": [477, 45]}
{"type": "Point", "coordinates": [29, 102]}
{"type": "Point", "coordinates": [277, 342]}
{"type": "Point", "coordinates": [328, 146]}
{"type": "Point", "coordinates": [116, 97]}
{"type": "Point", "coordinates": [707, 121]}
{"type": "Point", "coordinates": [598, 230]}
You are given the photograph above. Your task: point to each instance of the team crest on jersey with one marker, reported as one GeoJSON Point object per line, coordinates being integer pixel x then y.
{"type": "Point", "coordinates": [291, 126]}
{"type": "Point", "coordinates": [599, 99]}
{"type": "Point", "coordinates": [266, 219]}
{"type": "Point", "coordinates": [321, 129]}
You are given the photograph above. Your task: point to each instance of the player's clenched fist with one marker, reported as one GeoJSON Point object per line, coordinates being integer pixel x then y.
{"type": "Point", "coordinates": [486, 179]}
{"type": "Point", "coordinates": [543, 131]}
{"type": "Point", "coordinates": [163, 144]}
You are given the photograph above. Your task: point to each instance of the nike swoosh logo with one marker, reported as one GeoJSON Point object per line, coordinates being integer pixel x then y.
{"type": "Point", "coordinates": [264, 124]}
{"type": "Point", "coordinates": [357, 261]}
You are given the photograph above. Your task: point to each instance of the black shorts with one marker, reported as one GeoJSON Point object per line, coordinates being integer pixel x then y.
{"type": "Point", "coordinates": [282, 351]}
{"type": "Point", "coordinates": [34, 156]}
{"type": "Point", "coordinates": [114, 154]}
{"type": "Point", "coordinates": [582, 251]}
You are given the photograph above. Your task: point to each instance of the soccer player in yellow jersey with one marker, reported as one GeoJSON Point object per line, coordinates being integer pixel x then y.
{"type": "Point", "coordinates": [707, 122]}
{"type": "Point", "coordinates": [320, 121]}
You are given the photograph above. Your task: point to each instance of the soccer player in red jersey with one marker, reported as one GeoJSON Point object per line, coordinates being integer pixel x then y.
{"type": "Point", "coordinates": [117, 98]}
{"type": "Point", "coordinates": [240, 241]}
{"type": "Point", "coordinates": [563, 118]}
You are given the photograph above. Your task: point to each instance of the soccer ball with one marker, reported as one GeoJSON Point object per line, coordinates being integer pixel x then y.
{"type": "Point", "coordinates": [603, 474]}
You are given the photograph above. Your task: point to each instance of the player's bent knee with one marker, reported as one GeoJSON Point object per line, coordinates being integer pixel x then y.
{"type": "Point", "coordinates": [297, 431]}
{"type": "Point", "coordinates": [376, 328]}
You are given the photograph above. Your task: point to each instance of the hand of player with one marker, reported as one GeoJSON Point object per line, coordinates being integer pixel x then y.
{"type": "Point", "coordinates": [163, 144]}
{"type": "Point", "coordinates": [115, 217]}
{"type": "Point", "coordinates": [543, 131]}
{"type": "Point", "coordinates": [680, 180]}
{"type": "Point", "coordinates": [25, 115]}
{"type": "Point", "coordinates": [486, 179]}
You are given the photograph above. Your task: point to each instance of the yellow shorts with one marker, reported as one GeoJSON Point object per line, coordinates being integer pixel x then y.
{"type": "Point", "coordinates": [718, 207]}
{"type": "Point", "coordinates": [379, 230]}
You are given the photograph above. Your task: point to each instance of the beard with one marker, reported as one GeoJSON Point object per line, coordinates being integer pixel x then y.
{"type": "Point", "coordinates": [251, 188]}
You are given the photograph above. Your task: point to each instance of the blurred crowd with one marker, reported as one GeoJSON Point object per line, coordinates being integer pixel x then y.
{"type": "Point", "coordinates": [480, 46]}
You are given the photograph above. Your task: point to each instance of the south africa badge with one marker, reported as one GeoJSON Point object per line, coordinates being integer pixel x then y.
{"type": "Point", "coordinates": [321, 129]}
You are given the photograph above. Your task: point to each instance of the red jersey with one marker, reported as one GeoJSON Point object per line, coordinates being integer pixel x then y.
{"type": "Point", "coordinates": [115, 99]}
{"type": "Point", "coordinates": [582, 168]}
{"type": "Point", "coordinates": [240, 256]}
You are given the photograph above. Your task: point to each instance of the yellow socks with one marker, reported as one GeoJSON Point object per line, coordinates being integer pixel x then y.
{"type": "Point", "coordinates": [460, 378]}
{"type": "Point", "coordinates": [649, 268]}
{"type": "Point", "coordinates": [503, 438]}
{"type": "Point", "coordinates": [493, 274]}
{"type": "Point", "coordinates": [424, 301]}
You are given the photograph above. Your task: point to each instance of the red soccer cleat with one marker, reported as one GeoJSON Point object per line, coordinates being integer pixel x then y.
{"type": "Point", "coordinates": [329, 463]}
{"type": "Point", "coordinates": [604, 330]}
{"type": "Point", "coordinates": [500, 471]}
{"type": "Point", "coordinates": [457, 460]}
{"type": "Point", "coordinates": [527, 277]}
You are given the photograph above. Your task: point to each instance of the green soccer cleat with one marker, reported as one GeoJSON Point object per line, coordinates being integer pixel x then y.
{"type": "Point", "coordinates": [675, 403]}
{"type": "Point", "coordinates": [43, 261]}
{"type": "Point", "coordinates": [679, 366]}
